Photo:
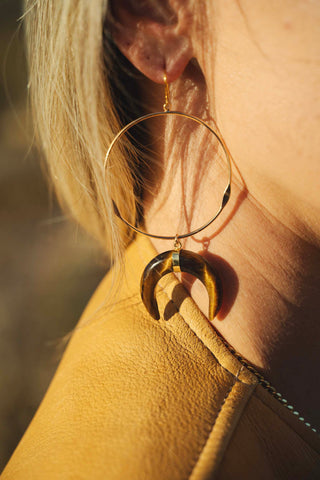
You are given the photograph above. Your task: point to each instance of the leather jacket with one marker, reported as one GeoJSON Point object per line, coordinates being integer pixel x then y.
{"type": "Point", "coordinates": [136, 398]}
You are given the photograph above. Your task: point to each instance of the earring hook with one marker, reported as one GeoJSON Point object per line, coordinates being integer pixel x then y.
{"type": "Point", "coordinates": [166, 105]}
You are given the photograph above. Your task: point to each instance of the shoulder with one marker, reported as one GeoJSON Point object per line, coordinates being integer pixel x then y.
{"type": "Point", "coordinates": [138, 398]}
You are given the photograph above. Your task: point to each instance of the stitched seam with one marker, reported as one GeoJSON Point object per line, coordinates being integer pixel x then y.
{"type": "Point", "coordinates": [228, 392]}
{"type": "Point", "coordinates": [235, 379]}
{"type": "Point", "coordinates": [207, 348]}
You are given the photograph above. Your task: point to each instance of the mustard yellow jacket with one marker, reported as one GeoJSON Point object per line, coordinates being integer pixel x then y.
{"type": "Point", "coordinates": [135, 398]}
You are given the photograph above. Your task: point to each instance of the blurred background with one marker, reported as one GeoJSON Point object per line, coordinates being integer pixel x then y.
{"type": "Point", "coordinates": [48, 267]}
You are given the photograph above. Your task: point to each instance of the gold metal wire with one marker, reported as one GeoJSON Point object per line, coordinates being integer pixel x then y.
{"type": "Point", "coordinates": [177, 244]}
{"type": "Point", "coordinates": [166, 112]}
{"type": "Point", "coordinates": [166, 105]}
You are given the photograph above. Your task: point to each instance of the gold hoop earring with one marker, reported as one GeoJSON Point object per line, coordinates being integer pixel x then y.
{"type": "Point", "coordinates": [177, 260]}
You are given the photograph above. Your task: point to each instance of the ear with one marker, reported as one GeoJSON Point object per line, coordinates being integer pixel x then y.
{"type": "Point", "coordinates": [153, 36]}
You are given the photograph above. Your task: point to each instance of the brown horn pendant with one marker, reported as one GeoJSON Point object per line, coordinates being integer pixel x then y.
{"type": "Point", "coordinates": [179, 261]}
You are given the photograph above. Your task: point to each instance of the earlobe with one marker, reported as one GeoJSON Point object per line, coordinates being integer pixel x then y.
{"type": "Point", "coordinates": [151, 45]}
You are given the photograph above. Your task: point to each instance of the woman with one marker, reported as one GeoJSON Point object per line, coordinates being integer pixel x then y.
{"type": "Point", "coordinates": [169, 399]}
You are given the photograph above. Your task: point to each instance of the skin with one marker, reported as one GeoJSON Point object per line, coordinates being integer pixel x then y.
{"type": "Point", "coordinates": [253, 70]}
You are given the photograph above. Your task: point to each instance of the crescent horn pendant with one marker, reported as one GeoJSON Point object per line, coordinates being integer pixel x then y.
{"type": "Point", "coordinates": [179, 261]}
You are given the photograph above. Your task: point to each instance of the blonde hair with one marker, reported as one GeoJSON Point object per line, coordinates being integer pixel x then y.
{"type": "Point", "coordinates": [75, 117]}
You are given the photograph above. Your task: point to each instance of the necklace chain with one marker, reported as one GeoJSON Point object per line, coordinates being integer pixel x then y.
{"type": "Point", "coordinates": [266, 384]}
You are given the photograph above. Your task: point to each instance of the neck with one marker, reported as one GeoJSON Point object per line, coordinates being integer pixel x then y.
{"type": "Point", "coordinates": [273, 321]}
{"type": "Point", "coordinates": [270, 271]}
{"type": "Point", "coordinates": [271, 304]}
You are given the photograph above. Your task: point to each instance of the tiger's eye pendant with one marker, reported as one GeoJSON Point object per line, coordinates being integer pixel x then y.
{"type": "Point", "coordinates": [178, 260]}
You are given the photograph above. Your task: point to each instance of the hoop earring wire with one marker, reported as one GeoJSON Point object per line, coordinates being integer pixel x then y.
{"type": "Point", "coordinates": [177, 260]}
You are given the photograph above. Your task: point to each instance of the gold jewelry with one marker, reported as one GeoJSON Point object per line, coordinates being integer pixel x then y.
{"type": "Point", "coordinates": [177, 260]}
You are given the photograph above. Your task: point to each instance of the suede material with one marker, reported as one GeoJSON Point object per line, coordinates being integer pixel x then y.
{"type": "Point", "coordinates": [135, 398]}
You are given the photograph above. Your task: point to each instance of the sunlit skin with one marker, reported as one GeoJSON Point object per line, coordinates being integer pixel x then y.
{"type": "Point", "coordinates": [255, 73]}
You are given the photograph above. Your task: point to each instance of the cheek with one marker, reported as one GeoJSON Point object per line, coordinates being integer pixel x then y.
{"type": "Point", "coordinates": [267, 103]}
{"type": "Point", "coordinates": [271, 126]}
